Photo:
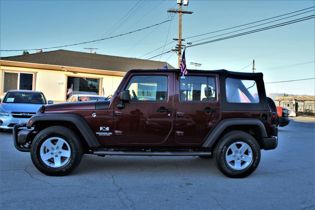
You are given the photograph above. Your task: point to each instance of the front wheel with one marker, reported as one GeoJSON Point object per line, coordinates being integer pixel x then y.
{"type": "Point", "coordinates": [237, 154]}
{"type": "Point", "coordinates": [56, 151]}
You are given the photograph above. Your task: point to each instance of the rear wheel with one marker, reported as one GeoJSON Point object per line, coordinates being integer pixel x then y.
{"type": "Point", "coordinates": [56, 151]}
{"type": "Point", "coordinates": [237, 154]}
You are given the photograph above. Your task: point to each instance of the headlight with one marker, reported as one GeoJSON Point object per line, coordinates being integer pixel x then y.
{"type": "Point", "coordinates": [4, 114]}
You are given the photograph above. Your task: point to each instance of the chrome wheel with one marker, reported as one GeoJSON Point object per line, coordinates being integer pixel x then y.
{"type": "Point", "coordinates": [239, 155]}
{"type": "Point", "coordinates": [55, 152]}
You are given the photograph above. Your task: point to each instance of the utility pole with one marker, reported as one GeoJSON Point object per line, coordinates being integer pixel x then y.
{"type": "Point", "coordinates": [254, 68]}
{"type": "Point", "coordinates": [180, 13]}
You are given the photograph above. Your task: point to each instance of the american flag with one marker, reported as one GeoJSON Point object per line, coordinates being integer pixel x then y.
{"type": "Point", "coordinates": [183, 67]}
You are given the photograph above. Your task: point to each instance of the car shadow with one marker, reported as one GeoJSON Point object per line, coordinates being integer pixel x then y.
{"type": "Point", "coordinates": [156, 165]}
{"type": "Point", "coordinates": [2, 131]}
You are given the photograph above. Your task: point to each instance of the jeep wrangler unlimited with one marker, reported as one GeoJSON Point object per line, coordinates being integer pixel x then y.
{"type": "Point", "coordinates": [158, 113]}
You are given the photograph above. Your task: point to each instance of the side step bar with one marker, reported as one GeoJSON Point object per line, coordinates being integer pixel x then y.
{"type": "Point", "coordinates": [152, 153]}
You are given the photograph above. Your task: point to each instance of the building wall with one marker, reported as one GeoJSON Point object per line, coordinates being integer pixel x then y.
{"type": "Point", "coordinates": [54, 83]}
{"type": "Point", "coordinates": [301, 106]}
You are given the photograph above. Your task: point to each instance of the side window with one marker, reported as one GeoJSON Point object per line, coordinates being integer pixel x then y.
{"type": "Point", "coordinates": [241, 91]}
{"type": "Point", "coordinates": [148, 88]}
{"type": "Point", "coordinates": [197, 88]}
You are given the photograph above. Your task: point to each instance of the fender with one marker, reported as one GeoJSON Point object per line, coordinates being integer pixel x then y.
{"type": "Point", "coordinates": [77, 120]}
{"type": "Point", "coordinates": [218, 130]}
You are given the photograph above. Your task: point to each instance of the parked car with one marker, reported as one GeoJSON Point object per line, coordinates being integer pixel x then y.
{"type": "Point", "coordinates": [158, 113]}
{"type": "Point", "coordinates": [283, 115]}
{"type": "Point", "coordinates": [85, 97]}
{"type": "Point", "coordinates": [18, 106]}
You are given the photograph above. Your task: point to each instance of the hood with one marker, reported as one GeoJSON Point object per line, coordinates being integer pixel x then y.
{"type": "Point", "coordinates": [76, 106]}
{"type": "Point", "coordinates": [15, 107]}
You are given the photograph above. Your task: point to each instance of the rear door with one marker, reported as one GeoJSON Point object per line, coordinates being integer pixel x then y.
{"type": "Point", "coordinates": [147, 119]}
{"type": "Point", "coordinates": [197, 109]}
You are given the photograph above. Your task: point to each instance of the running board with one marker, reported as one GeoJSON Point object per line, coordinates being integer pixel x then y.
{"type": "Point", "coordinates": [152, 153]}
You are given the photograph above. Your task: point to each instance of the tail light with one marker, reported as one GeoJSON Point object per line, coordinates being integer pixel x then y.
{"type": "Point", "coordinates": [274, 118]}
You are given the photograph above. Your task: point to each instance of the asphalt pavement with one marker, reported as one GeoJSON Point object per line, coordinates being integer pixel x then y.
{"type": "Point", "coordinates": [285, 179]}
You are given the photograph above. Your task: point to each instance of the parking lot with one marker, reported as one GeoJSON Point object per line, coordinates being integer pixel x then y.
{"type": "Point", "coordinates": [284, 180]}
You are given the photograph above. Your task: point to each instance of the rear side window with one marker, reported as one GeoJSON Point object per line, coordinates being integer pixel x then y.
{"type": "Point", "coordinates": [148, 88]}
{"type": "Point", "coordinates": [241, 91]}
{"type": "Point", "coordinates": [197, 88]}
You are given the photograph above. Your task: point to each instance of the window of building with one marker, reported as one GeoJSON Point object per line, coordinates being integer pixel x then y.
{"type": "Point", "coordinates": [80, 85]}
{"type": "Point", "coordinates": [241, 91]}
{"type": "Point", "coordinates": [148, 88]}
{"type": "Point", "coordinates": [18, 81]}
{"type": "Point", "coordinates": [197, 88]}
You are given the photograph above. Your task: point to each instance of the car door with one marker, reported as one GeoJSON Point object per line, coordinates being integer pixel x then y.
{"type": "Point", "coordinates": [197, 109]}
{"type": "Point", "coordinates": [147, 118]}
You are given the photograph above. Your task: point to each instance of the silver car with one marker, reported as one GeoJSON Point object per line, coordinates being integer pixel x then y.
{"type": "Point", "coordinates": [18, 106]}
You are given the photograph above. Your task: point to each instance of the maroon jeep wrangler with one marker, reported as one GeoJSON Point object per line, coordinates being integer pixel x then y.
{"type": "Point", "coordinates": [158, 113]}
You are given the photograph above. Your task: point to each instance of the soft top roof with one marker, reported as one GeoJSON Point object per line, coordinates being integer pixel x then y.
{"type": "Point", "coordinates": [222, 72]}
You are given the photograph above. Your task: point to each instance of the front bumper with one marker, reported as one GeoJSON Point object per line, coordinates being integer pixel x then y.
{"type": "Point", "coordinates": [21, 136]}
{"type": "Point", "coordinates": [270, 143]}
{"type": "Point", "coordinates": [8, 122]}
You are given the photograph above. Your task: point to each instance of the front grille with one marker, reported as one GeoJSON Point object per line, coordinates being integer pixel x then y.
{"type": "Point", "coordinates": [22, 114]}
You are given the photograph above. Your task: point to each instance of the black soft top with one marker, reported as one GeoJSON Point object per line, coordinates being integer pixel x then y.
{"type": "Point", "coordinates": [222, 72]}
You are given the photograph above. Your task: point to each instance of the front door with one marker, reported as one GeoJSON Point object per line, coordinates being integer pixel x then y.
{"type": "Point", "coordinates": [147, 118]}
{"type": "Point", "coordinates": [197, 109]}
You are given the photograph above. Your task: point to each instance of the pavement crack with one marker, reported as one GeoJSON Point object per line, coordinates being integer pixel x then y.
{"type": "Point", "coordinates": [121, 193]}
{"type": "Point", "coordinates": [217, 201]}
{"type": "Point", "coordinates": [34, 178]}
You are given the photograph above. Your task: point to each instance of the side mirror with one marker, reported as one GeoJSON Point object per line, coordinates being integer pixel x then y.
{"type": "Point", "coordinates": [125, 96]}
{"type": "Point", "coordinates": [50, 102]}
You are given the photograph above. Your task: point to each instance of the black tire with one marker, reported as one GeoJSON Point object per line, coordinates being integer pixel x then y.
{"type": "Point", "coordinates": [224, 147]}
{"type": "Point", "coordinates": [70, 139]}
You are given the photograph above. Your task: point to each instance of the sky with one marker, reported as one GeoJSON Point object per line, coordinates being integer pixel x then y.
{"type": "Point", "coordinates": [285, 53]}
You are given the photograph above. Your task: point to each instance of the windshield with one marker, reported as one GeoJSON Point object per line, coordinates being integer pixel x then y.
{"type": "Point", "coordinates": [91, 98]}
{"type": "Point", "coordinates": [24, 98]}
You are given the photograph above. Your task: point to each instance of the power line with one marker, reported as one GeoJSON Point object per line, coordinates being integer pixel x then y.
{"type": "Point", "coordinates": [123, 19]}
{"type": "Point", "coordinates": [148, 53]}
{"type": "Point", "coordinates": [169, 57]}
{"type": "Point", "coordinates": [255, 31]}
{"type": "Point", "coordinates": [246, 66]}
{"type": "Point", "coordinates": [281, 67]}
{"type": "Point", "coordinates": [243, 29]}
{"type": "Point", "coordinates": [250, 32]}
{"type": "Point", "coordinates": [91, 41]}
{"type": "Point", "coordinates": [237, 26]}
{"type": "Point", "coordinates": [168, 33]}
{"type": "Point", "coordinates": [292, 80]}
{"type": "Point", "coordinates": [160, 54]}
{"type": "Point", "coordinates": [291, 65]}
{"type": "Point", "coordinates": [250, 23]}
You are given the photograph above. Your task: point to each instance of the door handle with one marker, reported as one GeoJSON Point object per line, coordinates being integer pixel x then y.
{"type": "Point", "coordinates": [209, 110]}
{"type": "Point", "coordinates": [162, 109]}
{"type": "Point", "coordinates": [179, 114]}
{"type": "Point", "coordinates": [117, 113]}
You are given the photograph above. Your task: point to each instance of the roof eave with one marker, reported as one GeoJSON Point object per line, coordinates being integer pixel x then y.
{"type": "Point", "coordinates": [60, 68]}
